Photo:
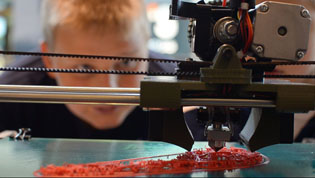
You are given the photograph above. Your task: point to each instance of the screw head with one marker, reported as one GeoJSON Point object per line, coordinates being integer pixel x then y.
{"type": "Point", "coordinates": [231, 29]}
{"type": "Point", "coordinates": [300, 54]}
{"type": "Point", "coordinates": [259, 49]}
{"type": "Point", "coordinates": [264, 8]}
{"type": "Point", "coordinates": [305, 13]}
{"type": "Point", "coordinates": [227, 53]}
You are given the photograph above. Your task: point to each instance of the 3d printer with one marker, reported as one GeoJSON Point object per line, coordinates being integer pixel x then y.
{"type": "Point", "coordinates": [240, 40]}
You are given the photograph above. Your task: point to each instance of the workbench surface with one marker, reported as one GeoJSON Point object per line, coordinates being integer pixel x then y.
{"type": "Point", "coordinates": [18, 158]}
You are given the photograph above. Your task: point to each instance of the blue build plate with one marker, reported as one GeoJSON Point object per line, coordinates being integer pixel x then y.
{"type": "Point", "coordinates": [19, 159]}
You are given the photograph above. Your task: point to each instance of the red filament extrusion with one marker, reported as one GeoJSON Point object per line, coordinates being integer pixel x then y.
{"type": "Point", "coordinates": [197, 160]}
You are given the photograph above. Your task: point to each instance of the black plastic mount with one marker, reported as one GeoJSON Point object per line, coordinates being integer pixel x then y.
{"type": "Point", "coordinates": [206, 16]}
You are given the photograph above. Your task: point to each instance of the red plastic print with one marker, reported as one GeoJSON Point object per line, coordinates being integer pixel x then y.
{"type": "Point", "coordinates": [197, 160]}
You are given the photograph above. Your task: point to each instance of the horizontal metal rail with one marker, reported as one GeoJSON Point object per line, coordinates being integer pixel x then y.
{"type": "Point", "coordinates": [105, 96]}
{"type": "Point", "coordinates": [68, 89]}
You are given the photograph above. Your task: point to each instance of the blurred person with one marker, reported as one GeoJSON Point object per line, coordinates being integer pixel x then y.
{"type": "Point", "coordinates": [94, 27]}
{"type": "Point", "coordinates": [304, 124]}
{"type": "Point", "coordinates": [97, 27]}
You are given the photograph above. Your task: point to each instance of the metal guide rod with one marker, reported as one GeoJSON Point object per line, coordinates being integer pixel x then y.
{"type": "Point", "coordinates": [61, 97]}
{"type": "Point", "coordinates": [105, 96]}
{"type": "Point", "coordinates": [68, 89]}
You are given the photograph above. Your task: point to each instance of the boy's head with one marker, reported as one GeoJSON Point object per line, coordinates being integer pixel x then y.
{"type": "Point", "coordinates": [96, 27]}
{"type": "Point", "coordinates": [310, 55]}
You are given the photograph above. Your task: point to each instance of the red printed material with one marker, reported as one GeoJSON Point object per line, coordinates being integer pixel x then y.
{"type": "Point", "coordinates": [197, 160]}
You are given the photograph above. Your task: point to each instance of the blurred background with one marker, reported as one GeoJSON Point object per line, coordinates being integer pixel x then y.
{"type": "Point", "coordinates": [20, 28]}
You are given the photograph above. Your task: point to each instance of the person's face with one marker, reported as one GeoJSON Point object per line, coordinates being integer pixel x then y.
{"type": "Point", "coordinates": [71, 41]}
{"type": "Point", "coordinates": [310, 55]}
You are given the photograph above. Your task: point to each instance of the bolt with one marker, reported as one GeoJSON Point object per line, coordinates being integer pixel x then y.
{"type": "Point", "coordinates": [305, 13]}
{"type": "Point", "coordinates": [227, 53]}
{"type": "Point", "coordinates": [259, 49]}
{"type": "Point", "coordinates": [264, 8]}
{"type": "Point", "coordinates": [231, 29]}
{"type": "Point", "coordinates": [300, 54]}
